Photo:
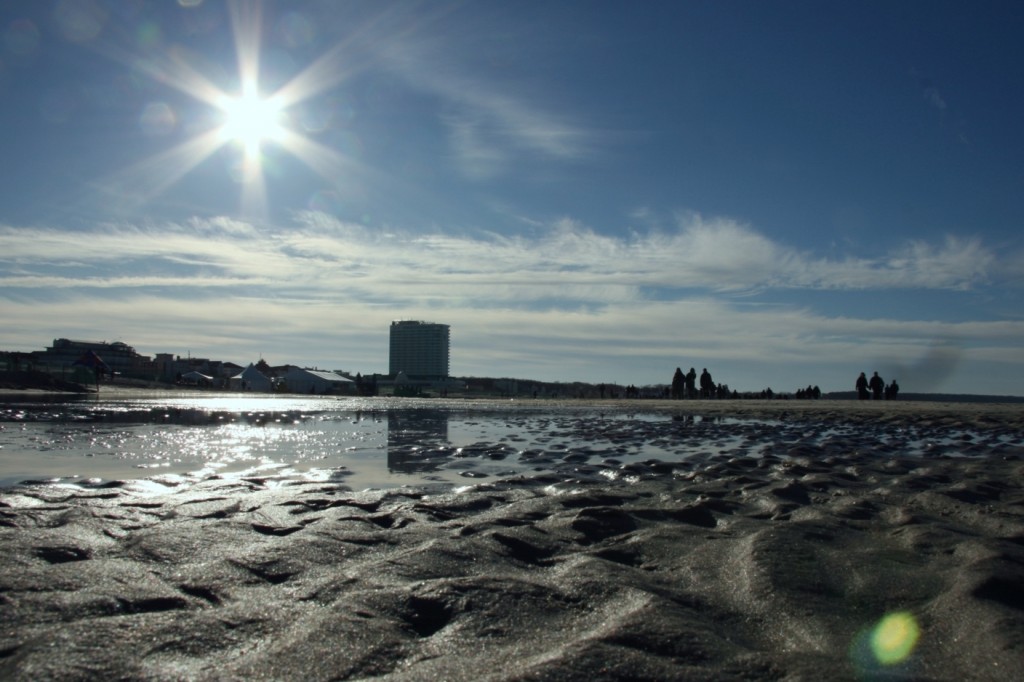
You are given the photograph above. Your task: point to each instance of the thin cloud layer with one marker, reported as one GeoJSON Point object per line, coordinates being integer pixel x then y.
{"type": "Point", "coordinates": [566, 265]}
{"type": "Point", "coordinates": [488, 127]}
{"type": "Point", "coordinates": [748, 346]}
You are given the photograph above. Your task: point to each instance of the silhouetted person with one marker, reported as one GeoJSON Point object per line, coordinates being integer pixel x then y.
{"type": "Point", "coordinates": [707, 384]}
{"type": "Point", "coordinates": [862, 387]}
{"type": "Point", "coordinates": [877, 385]}
{"type": "Point", "coordinates": [678, 384]}
{"type": "Point", "coordinates": [691, 383]}
{"type": "Point", "coordinates": [892, 390]}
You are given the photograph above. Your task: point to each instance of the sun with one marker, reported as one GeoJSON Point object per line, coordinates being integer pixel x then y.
{"type": "Point", "coordinates": [251, 120]}
{"type": "Point", "coordinates": [245, 118]}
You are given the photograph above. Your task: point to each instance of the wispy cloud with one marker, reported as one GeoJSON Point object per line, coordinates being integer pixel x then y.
{"type": "Point", "coordinates": [567, 262]}
{"type": "Point", "coordinates": [934, 97]}
{"type": "Point", "coordinates": [929, 90]}
{"type": "Point", "coordinates": [489, 125]}
{"type": "Point", "coordinates": [474, 155]}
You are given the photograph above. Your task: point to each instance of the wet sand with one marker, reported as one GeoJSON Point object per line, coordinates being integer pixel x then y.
{"type": "Point", "coordinates": [775, 567]}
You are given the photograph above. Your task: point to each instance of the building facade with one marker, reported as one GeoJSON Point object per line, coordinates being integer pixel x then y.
{"type": "Point", "coordinates": [118, 356]}
{"type": "Point", "coordinates": [419, 350]}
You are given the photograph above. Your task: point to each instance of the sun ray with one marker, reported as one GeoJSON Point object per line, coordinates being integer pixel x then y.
{"type": "Point", "coordinates": [253, 203]}
{"type": "Point", "coordinates": [326, 72]}
{"type": "Point", "coordinates": [179, 74]}
{"type": "Point", "coordinates": [327, 163]}
{"type": "Point", "coordinates": [159, 172]}
{"type": "Point", "coordinates": [246, 25]}
{"type": "Point", "coordinates": [173, 70]}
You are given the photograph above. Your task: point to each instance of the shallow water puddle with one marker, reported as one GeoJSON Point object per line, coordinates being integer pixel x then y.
{"type": "Point", "coordinates": [374, 443]}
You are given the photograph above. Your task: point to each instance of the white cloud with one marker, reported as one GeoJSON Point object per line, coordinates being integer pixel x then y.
{"type": "Point", "coordinates": [956, 263]}
{"type": "Point", "coordinates": [320, 256]}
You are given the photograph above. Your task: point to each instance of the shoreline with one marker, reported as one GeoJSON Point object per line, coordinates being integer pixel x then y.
{"type": "Point", "coordinates": [976, 414]}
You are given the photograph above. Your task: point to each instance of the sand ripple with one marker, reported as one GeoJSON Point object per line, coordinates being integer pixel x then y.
{"type": "Point", "coordinates": [738, 567]}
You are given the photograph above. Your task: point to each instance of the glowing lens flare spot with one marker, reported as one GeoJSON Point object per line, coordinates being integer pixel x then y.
{"type": "Point", "coordinates": [894, 638]}
{"type": "Point", "coordinates": [251, 120]}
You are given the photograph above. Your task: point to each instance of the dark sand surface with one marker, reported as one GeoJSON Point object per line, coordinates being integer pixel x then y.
{"type": "Point", "coordinates": [776, 567]}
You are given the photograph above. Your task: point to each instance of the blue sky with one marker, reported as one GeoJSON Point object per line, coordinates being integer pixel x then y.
{"type": "Point", "coordinates": [786, 193]}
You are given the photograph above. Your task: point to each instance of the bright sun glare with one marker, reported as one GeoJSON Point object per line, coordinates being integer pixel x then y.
{"type": "Point", "coordinates": [250, 120]}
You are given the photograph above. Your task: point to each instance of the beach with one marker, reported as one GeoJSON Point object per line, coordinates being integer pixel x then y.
{"type": "Point", "coordinates": [805, 562]}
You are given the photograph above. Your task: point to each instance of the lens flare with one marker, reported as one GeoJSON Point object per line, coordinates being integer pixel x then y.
{"type": "Point", "coordinates": [894, 638]}
{"type": "Point", "coordinates": [80, 21]}
{"type": "Point", "coordinates": [158, 119]}
{"type": "Point", "coordinates": [22, 37]}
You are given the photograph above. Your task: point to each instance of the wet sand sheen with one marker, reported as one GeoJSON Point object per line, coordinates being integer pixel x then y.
{"type": "Point", "coordinates": [752, 565]}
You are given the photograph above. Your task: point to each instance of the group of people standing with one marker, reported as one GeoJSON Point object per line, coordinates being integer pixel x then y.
{"type": "Point", "coordinates": [875, 388]}
{"type": "Point", "coordinates": [685, 385]}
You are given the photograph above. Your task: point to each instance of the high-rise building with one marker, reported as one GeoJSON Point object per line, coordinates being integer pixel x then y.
{"type": "Point", "coordinates": [419, 350]}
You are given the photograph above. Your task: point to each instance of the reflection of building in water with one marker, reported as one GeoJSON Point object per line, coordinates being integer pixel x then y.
{"type": "Point", "coordinates": [419, 350]}
{"type": "Point", "coordinates": [417, 440]}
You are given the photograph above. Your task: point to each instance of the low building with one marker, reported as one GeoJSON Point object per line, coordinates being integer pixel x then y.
{"type": "Point", "coordinates": [251, 379]}
{"type": "Point", "coordinates": [196, 379]}
{"type": "Point", "coordinates": [174, 368]}
{"type": "Point", "coordinates": [320, 382]}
